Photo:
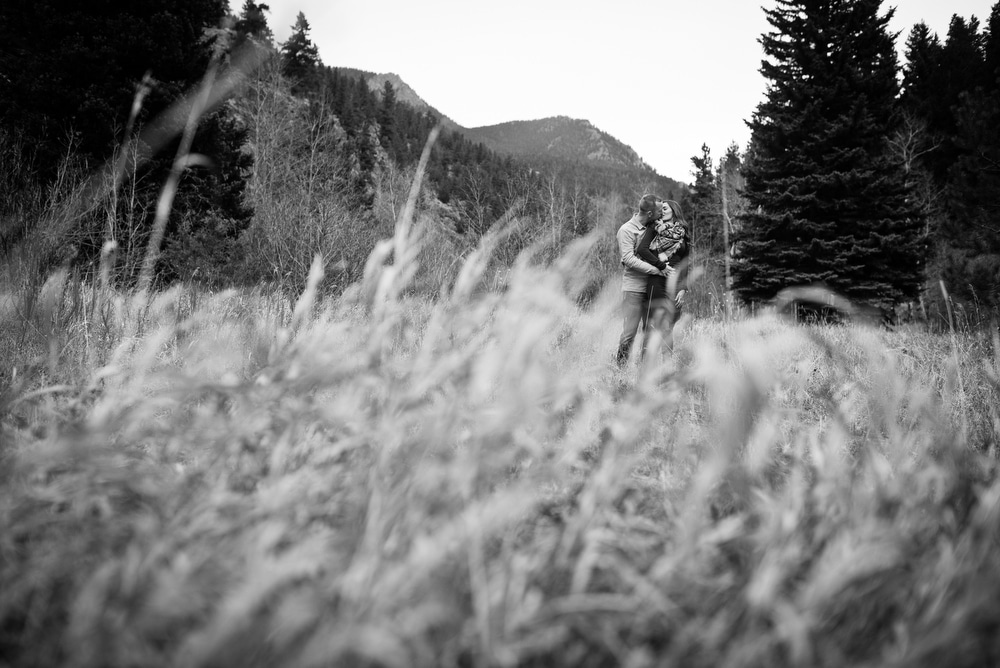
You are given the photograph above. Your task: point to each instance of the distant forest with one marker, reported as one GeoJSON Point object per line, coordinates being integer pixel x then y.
{"type": "Point", "coordinates": [880, 190]}
{"type": "Point", "coordinates": [303, 159]}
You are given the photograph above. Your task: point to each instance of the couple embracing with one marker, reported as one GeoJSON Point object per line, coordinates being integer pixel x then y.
{"type": "Point", "coordinates": [654, 245]}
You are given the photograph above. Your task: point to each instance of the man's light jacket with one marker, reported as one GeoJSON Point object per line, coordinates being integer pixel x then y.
{"type": "Point", "coordinates": [635, 270]}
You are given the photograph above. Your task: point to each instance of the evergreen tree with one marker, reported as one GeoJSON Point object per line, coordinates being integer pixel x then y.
{"type": "Point", "coordinates": [73, 69]}
{"type": "Point", "coordinates": [299, 56]}
{"type": "Point", "coordinates": [951, 91]}
{"type": "Point", "coordinates": [387, 116]}
{"type": "Point", "coordinates": [961, 63]}
{"type": "Point", "coordinates": [702, 209]}
{"type": "Point", "coordinates": [970, 236]}
{"type": "Point", "coordinates": [731, 186]}
{"type": "Point", "coordinates": [210, 210]}
{"type": "Point", "coordinates": [970, 233]}
{"type": "Point", "coordinates": [702, 205]}
{"type": "Point", "coordinates": [252, 22]}
{"type": "Point", "coordinates": [922, 76]}
{"type": "Point", "coordinates": [962, 57]}
{"type": "Point", "coordinates": [826, 204]}
{"type": "Point", "coordinates": [991, 48]}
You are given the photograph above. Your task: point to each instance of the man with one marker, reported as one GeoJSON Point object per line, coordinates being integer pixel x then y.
{"type": "Point", "coordinates": [635, 274]}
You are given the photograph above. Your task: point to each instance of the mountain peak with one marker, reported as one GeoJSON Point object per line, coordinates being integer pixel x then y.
{"type": "Point", "coordinates": [554, 137]}
{"type": "Point", "coordinates": [557, 137]}
{"type": "Point", "coordinates": [404, 93]}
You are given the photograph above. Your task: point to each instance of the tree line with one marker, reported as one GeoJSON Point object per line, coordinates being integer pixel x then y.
{"type": "Point", "coordinates": [876, 181]}
{"type": "Point", "coordinates": [304, 159]}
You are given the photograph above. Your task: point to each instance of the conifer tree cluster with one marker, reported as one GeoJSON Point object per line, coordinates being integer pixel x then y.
{"type": "Point", "coordinates": [878, 191]}
{"type": "Point", "coordinates": [252, 23]}
{"type": "Point", "coordinates": [827, 204]}
{"type": "Point", "coordinates": [712, 205]}
{"type": "Point", "coordinates": [299, 56]}
{"type": "Point", "coordinates": [951, 148]}
{"type": "Point", "coordinates": [71, 74]}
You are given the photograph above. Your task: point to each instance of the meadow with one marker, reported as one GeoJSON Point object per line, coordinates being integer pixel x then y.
{"type": "Point", "coordinates": [193, 478]}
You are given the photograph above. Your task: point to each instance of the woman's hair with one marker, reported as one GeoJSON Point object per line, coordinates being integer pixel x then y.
{"type": "Point", "coordinates": [676, 208]}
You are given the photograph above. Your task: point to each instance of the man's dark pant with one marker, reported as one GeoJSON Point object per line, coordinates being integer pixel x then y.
{"type": "Point", "coordinates": [635, 310]}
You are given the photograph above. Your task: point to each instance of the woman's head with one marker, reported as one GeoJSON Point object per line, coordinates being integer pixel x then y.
{"type": "Point", "coordinates": [672, 210]}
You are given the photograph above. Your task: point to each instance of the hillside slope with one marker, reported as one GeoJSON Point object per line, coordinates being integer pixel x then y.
{"type": "Point", "coordinates": [404, 93]}
{"type": "Point", "coordinates": [558, 140]}
{"type": "Point", "coordinates": [557, 137]}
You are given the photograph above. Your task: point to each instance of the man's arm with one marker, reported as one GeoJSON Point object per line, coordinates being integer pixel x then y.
{"type": "Point", "coordinates": [626, 247]}
{"type": "Point", "coordinates": [644, 253]}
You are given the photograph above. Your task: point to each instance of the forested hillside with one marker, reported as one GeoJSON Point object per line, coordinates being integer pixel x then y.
{"type": "Point", "coordinates": [890, 198]}
{"type": "Point", "coordinates": [302, 159]}
{"type": "Point", "coordinates": [87, 85]}
{"type": "Point", "coordinates": [547, 143]}
{"type": "Point", "coordinates": [557, 137]}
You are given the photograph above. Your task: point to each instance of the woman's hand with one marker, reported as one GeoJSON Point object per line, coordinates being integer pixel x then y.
{"type": "Point", "coordinates": [679, 299]}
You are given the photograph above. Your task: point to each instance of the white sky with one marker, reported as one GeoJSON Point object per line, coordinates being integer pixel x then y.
{"type": "Point", "coordinates": [663, 76]}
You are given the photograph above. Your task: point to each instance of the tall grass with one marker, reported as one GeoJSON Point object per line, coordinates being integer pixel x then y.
{"type": "Point", "coordinates": [190, 478]}
{"type": "Point", "coordinates": [227, 479]}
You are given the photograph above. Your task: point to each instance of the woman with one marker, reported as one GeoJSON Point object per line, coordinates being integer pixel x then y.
{"type": "Point", "coordinates": [666, 244]}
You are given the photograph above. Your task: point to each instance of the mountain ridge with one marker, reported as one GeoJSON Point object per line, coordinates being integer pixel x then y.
{"type": "Point", "coordinates": [560, 138]}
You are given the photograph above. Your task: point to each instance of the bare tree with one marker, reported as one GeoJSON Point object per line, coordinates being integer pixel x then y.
{"type": "Point", "coordinates": [909, 144]}
{"type": "Point", "coordinates": [296, 187]}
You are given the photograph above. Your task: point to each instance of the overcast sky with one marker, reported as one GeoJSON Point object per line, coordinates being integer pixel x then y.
{"type": "Point", "coordinates": [663, 76]}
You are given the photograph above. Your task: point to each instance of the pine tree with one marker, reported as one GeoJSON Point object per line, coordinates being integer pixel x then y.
{"type": "Point", "coordinates": [253, 22]}
{"type": "Point", "coordinates": [970, 235]}
{"type": "Point", "coordinates": [73, 68]}
{"type": "Point", "coordinates": [962, 57]}
{"type": "Point", "coordinates": [826, 204]}
{"type": "Point", "coordinates": [961, 63]}
{"type": "Point", "coordinates": [922, 75]}
{"type": "Point", "coordinates": [387, 116]}
{"type": "Point", "coordinates": [299, 56]}
{"type": "Point", "coordinates": [991, 48]}
{"type": "Point", "coordinates": [702, 206]}
{"type": "Point", "coordinates": [211, 209]}
{"type": "Point", "coordinates": [950, 91]}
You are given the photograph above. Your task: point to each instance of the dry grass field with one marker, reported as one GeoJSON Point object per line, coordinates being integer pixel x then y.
{"type": "Point", "coordinates": [232, 479]}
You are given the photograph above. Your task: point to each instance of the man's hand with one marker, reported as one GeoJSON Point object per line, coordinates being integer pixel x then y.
{"type": "Point", "coordinates": [679, 299]}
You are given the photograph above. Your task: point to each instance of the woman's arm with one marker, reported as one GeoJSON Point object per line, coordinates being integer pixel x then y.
{"type": "Point", "coordinates": [681, 262]}
{"type": "Point", "coordinates": [642, 248]}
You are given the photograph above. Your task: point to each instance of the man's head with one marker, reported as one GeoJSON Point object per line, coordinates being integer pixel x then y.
{"type": "Point", "coordinates": [649, 208]}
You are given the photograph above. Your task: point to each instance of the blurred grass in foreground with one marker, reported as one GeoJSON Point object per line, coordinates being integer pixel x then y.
{"type": "Point", "coordinates": [228, 480]}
